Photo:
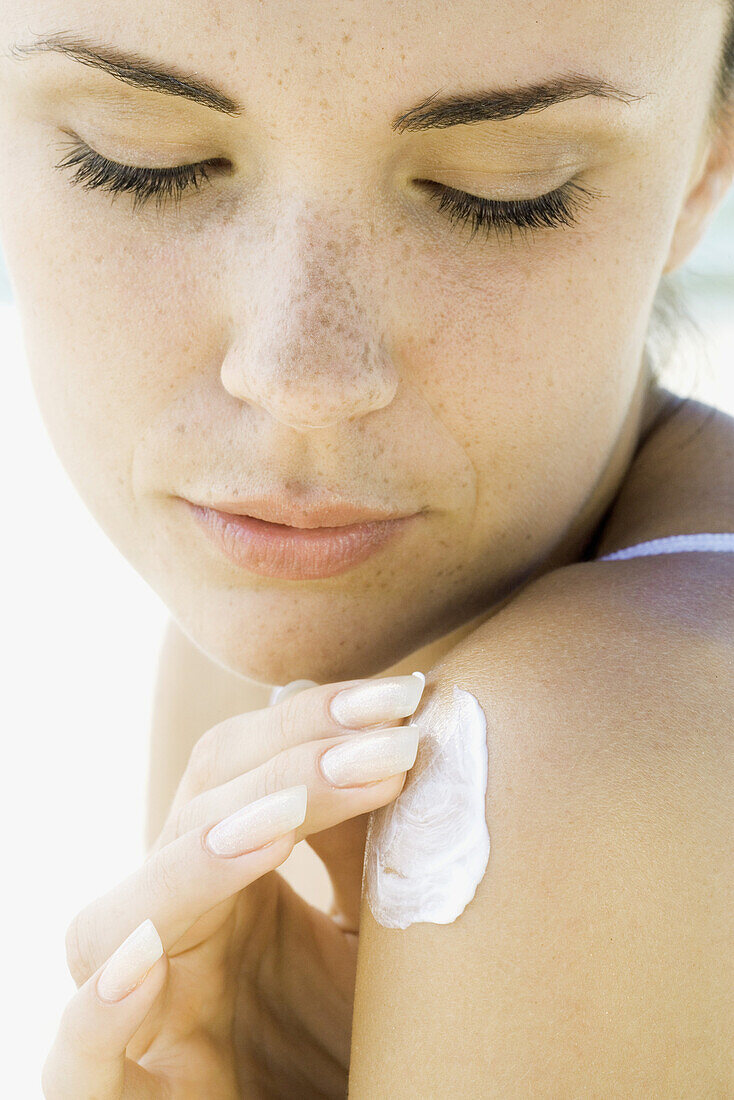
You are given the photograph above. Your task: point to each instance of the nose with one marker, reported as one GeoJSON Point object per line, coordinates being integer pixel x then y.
{"type": "Point", "coordinates": [308, 352]}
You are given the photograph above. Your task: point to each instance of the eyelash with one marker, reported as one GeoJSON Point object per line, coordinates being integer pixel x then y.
{"type": "Point", "coordinates": [95, 171]}
{"type": "Point", "coordinates": [554, 209]}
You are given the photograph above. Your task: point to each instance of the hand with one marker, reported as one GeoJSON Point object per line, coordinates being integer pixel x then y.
{"type": "Point", "coordinates": [249, 989]}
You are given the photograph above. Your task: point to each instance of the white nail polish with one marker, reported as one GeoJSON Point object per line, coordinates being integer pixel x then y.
{"type": "Point", "coordinates": [283, 691]}
{"type": "Point", "coordinates": [127, 967]}
{"type": "Point", "coordinates": [371, 756]}
{"type": "Point", "coordinates": [379, 700]}
{"type": "Point", "coordinates": [259, 822]}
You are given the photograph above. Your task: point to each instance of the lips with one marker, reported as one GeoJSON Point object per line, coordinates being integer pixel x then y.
{"type": "Point", "coordinates": [305, 552]}
{"type": "Point", "coordinates": [302, 514]}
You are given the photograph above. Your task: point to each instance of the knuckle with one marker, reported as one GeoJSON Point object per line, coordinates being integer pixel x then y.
{"type": "Point", "coordinates": [200, 769]}
{"type": "Point", "coordinates": [185, 818]}
{"type": "Point", "coordinates": [72, 1035]}
{"type": "Point", "coordinates": [160, 876]}
{"type": "Point", "coordinates": [81, 944]}
{"type": "Point", "coordinates": [277, 773]}
{"type": "Point", "coordinates": [285, 716]}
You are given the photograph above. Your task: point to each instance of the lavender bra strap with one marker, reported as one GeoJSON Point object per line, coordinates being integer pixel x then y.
{"type": "Point", "coordinates": [675, 544]}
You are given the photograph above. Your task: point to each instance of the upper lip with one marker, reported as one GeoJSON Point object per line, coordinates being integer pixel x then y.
{"type": "Point", "coordinates": [276, 508]}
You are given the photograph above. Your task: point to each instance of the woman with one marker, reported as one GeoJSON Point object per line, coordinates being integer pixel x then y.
{"type": "Point", "coordinates": [328, 267]}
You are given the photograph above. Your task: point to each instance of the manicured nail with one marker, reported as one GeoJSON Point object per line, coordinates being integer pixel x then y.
{"type": "Point", "coordinates": [372, 756]}
{"type": "Point", "coordinates": [377, 700]}
{"type": "Point", "coordinates": [127, 967]}
{"type": "Point", "coordinates": [278, 694]}
{"type": "Point", "coordinates": [259, 822]}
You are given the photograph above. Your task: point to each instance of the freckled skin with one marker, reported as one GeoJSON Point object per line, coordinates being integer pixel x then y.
{"type": "Point", "coordinates": [311, 319]}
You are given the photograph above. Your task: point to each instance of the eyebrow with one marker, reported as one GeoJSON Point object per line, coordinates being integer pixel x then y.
{"type": "Point", "coordinates": [498, 105]}
{"type": "Point", "coordinates": [434, 112]}
{"type": "Point", "coordinates": [130, 68]}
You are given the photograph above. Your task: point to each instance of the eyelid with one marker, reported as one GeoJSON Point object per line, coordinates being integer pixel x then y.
{"type": "Point", "coordinates": [509, 186]}
{"type": "Point", "coordinates": [187, 158]}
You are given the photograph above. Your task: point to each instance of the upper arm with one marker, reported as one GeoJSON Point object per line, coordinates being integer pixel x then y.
{"type": "Point", "coordinates": [595, 958]}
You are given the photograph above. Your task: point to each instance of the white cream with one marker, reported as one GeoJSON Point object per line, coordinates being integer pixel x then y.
{"type": "Point", "coordinates": [428, 850]}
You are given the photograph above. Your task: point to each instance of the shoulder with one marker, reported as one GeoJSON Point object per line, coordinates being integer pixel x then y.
{"type": "Point", "coordinates": [596, 952]}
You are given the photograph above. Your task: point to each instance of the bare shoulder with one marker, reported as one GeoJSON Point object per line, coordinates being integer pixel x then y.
{"type": "Point", "coordinates": [681, 480]}
{"type": "Point", "coordinates": [595, 958]}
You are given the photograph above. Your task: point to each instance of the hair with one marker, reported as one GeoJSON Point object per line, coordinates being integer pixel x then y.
{"type": "Point", "coordinates": [676, 344]}
{"type": "Point", "coordinates": [723, 102]}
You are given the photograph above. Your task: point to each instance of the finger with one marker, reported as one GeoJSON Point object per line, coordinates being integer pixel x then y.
{"type": "Point", "coordinates": [279, 693]}
{"type": "Point", "coordinates": [87, 1059]}
{"type": "Point", "coordinates": [245, 741]}
{"type": "Point", "coordinates": [345, 776]}
{"type": "Point", "coordinates": [183, 881]}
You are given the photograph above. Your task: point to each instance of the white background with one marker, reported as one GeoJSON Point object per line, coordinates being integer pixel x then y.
{"type": "Point", "coordinates": [81, 633]}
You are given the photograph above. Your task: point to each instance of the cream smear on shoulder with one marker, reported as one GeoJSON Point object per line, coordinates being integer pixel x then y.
{"type": "Point", "coordinates": [427, 851]}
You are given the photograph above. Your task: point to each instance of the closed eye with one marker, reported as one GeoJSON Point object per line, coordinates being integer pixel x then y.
{"type": "Point", "coordinates": [95, 171]}
{"type": "Point", "coordinates": [556, 208]}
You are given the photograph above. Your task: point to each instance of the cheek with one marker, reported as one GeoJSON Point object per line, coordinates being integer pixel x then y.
{"type": "Point", "coordinates": [111, 331]}
{"type": "Point", "coordinates": [533, 360]}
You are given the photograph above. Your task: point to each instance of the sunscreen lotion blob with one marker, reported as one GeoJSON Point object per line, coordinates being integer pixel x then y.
{"type": "Point", "coordinates": [427, 851]}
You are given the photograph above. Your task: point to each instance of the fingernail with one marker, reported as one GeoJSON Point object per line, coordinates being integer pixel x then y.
{"type": "Point", "coordinates": [259, 822]}
{"type": "Point", "coordinates": [128, 966]}
{"type": "Point", "coordinates": [377, 700]}
{"type": "Point", "coordinates": [372, 756]}
{"type": "Point", "coordinates": [278, 694]}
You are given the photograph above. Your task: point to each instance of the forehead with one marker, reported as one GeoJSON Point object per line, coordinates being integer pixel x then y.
{"type": "Point", "coordinates": [354, 56]}
{"type": "Point", "coordinates": [485, 27]}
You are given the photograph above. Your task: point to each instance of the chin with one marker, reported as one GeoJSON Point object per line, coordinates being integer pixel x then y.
{"type": "Point", "coordinates": [272, 660]}
{"type": "Point", "coordinates": [330, 668]}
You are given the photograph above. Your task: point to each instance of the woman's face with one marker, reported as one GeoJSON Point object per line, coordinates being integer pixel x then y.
{"type": "Point", "coordinates": [310, 323]}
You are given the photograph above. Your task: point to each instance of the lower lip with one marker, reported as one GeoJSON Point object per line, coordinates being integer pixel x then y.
{"type": "Point", "coordinates": [296, 553]}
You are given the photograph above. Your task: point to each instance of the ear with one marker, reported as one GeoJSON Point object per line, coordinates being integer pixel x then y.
{"type": "Point", "coordinates": [710, 181]}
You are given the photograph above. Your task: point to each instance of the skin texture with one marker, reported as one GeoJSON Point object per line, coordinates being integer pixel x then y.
{"type": "Point", "coordinates": [497, 384]}
{"type": "Point", "coordinates": [595, 958]}
{"type": "Point", "coordinates": [311, 318]}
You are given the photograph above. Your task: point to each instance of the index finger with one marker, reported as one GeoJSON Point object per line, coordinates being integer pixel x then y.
{"type": "Point", "coordinates": [245, 741]}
